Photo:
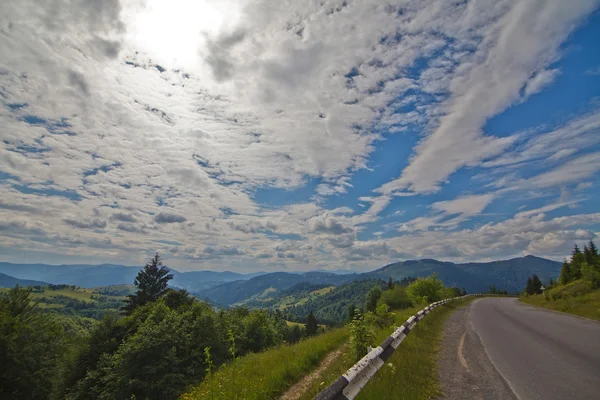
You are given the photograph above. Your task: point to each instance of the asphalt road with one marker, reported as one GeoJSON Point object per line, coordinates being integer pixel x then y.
{"type": "Point", "coordinates": [499, 348]}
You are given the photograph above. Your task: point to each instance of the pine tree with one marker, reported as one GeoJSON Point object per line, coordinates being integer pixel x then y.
{"type": "Point", "coordinates": [565, 273]}
{"type": "Point", "coordinates": [351, 312]}
{"type": "Point", "coordinates": [593, 248]}
{"type": "Point", "coordinates": [390, 284]}
{"type": "Point", "coordinates": [577, 260]}
{"type": "Point", "coordinates": [312, 325]}
{"type": "Point", "coordinates": [529, 288]}
{"type": "Point", "coordinates": [152, 283]}
{"type": "Point", "coordinates": [536, 284]}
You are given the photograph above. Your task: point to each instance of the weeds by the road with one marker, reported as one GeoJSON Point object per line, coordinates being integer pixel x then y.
{"type": "Point", "coordinates": [411, 372]}
{"type": "Point", "coordinates": [266, 375]}
{"type": "Point", "coordinates": [577, 298]}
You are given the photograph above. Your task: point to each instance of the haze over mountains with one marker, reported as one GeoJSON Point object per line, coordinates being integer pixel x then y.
{"type": "Point", "coordinates": [227, 288]}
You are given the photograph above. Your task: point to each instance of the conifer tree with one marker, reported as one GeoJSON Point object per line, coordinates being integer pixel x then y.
{"type": "Point", "coordinates": [312, 326]}
{"type": "Point", "coordinates": [152, 283]}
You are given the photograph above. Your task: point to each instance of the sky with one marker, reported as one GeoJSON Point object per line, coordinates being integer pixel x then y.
{"type": "Point", "coordinates": [297, 135]}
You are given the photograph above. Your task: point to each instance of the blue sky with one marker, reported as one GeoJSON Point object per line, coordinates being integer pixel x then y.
{"type": "Point", "coordinates": [263, 135]}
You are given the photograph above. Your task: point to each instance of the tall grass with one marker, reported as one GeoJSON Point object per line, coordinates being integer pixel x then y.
{"type": "Point", "coordinates": [341, 364]}
{"type": "Point", "coordinates": [578, 298]}
{"type": "Point", "coordinates": [268, 374]}
{"type": "Point", "coordinates": [413, 371]}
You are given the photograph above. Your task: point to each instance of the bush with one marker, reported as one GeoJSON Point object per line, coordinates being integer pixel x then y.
{"type": "Point", "coordinates": [361, 336]}
{"type": "Point", "coordinates": [396, 298]}
{"type": "Point", "coordinates": [591, 274]}
{"type": "Point", "coordinates": [573, 289]}
{"type": "Point", "coordinates": [426, 290]}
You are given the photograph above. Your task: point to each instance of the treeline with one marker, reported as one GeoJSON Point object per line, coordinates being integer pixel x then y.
{"type": "Point", "coordinates": [153, 349]}
{"type": "Point", "coordinates": [582, 266]}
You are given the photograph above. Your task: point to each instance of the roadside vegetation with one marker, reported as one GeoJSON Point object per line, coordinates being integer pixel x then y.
{"type": "Point", "coordinates": [268, 374]}
{"type": "Point", "coordinates": [411, 373]}
{"type": "Point", "coordinates": [577, 290]}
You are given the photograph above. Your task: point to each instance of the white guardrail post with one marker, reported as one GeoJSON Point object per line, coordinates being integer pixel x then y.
{"type": "Point", "coordinates": [347, 386]}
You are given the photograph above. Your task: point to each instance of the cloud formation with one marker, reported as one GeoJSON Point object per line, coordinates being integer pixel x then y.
{"type": "Point", "coordinates": [269, 134]}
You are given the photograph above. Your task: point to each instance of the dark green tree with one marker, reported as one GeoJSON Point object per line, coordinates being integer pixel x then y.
{"type": "Point", "coordinates": [529, 287]}
{"type": "Point", "coordinates": [31, 346]}
{"type": "Point", "coordinates": [152, 283]}
{"type": "Point", "coordinates": [590, 253]}
{"type": "Point", "coordinates": [536, 284]}
{"type": "Point", "coordinates": [373, 296]}
{"type": "Point", "coordinates": [390, 284]}
{"type": "Point", "coordinates": [175, 298]}
{"type": "Point", "coordinates": [566, 275]}
{"type": "Point", "coordinates": [295, 334]}
{"type": "Point", "coordinates": [312, 325]}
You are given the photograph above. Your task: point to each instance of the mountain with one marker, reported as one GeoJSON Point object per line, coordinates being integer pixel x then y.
{"type": "Point", "coordinates": [7, 281]}
{"type": "Point", "coordinates": [88, 276]}
{"type": "Point", "coordinates": [239, 291]}
{"type": "Point", "coordinates": [475, 277]}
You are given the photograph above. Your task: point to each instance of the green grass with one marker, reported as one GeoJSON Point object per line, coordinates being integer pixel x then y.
{"type": "Point", "coordinates": [577, 298]}
{"type": "Point", "coordinates": [413, 374]}
{"type": "Point", "coordinates": [322, 291]}
{"type": "Point", "coordinates": [268, 374]}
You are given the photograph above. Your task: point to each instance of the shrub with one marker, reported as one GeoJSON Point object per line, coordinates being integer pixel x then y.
{"type": "Point", "coordinates": [426, 290]}
{"type": "Point", "coordinates": [396, 298]}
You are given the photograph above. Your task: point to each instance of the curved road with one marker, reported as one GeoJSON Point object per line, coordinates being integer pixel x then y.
{"type": "Point", "coordinates": [499, 348]}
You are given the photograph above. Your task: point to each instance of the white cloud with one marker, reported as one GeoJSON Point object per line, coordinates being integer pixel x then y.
{"type": "Point", "coordinates": [540, 80]}
{"type": "Point", "coordinates": [499, 67]}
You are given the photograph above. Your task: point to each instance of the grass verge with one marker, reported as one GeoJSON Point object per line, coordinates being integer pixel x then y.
{"type": "Point", "coordinates": [414, 365]}
{"type": "Point", "coordinates": [268, 374]}
{"type": "Point", "coordinates": [412, 371]}
{"type": "Point", "coordinates": [576, 298]}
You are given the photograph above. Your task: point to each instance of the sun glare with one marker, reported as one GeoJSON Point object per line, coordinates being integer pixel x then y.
{"type": "Point", "coordinates": [172, 31]}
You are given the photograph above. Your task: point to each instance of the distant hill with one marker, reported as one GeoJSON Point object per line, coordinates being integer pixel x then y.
{"type": "Point", "coordinates": [239, 291]}
{"type": "Point", "coordinates": [7, 281]}
{"type": "Point", "coordinates": [89, 276]}
{"type": "Point", "coordinates": [229, 288]}
{"type": "Point", "coordinates": [508, 275]}
{"type": "Point", "coordinates": [475, 277]}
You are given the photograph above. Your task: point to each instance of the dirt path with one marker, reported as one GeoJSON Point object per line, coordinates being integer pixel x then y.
{"type": "Point", "coordinates": [296, 391]}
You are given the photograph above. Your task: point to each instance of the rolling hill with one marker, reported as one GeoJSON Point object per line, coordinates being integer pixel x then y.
{"type": "Point", "coordinates": [270, 285]}
{"type": "Point", "coordinates": [89, 276]}
{"type": "Point", "coordinates": [7, 281]}
{"type": "Point", "coordinates": [508, 275]}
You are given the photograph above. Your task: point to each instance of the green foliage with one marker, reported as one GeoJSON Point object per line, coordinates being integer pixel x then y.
{"type": "Point", "coordinates": [152, 283]}
{"type": "Point", "coordinates": [396, 298]}
{"type": "Point", "coordinates": [312, 325]}
{"type": "Point", "coordinates": [578, 297]}
{"type": "Point", "coordinates": [411, 373]}
{"type": "Point", "coordinates": [361, 336]}
{"type": "Point", "coordinates": [266, 375]}
{"type": "Point", "coordinates": [382, 317]}
{"type": "Point", "coordinates": [332, 308]}
{"type": "Point", "coordinates": [31, 346]}
{"type": "Point", "coordinates": [577, 290]}
{"type": "Point", "coordinates": [534, 285]}
{"type": "Point", "coordinates": [372, 298]}
{"type": "Point", "coordinates": [584, 265]}
{"type": "Point", "coordinates": [426, 290]}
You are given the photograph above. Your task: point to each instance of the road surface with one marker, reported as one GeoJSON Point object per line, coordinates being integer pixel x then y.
{"type": "Point", "coordinates": [499, 348]}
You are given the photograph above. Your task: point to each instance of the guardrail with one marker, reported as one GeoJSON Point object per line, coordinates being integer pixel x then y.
{"type": "Point", "coordinates": [347, 386]}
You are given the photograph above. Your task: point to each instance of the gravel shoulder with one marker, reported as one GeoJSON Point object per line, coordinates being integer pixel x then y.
{"type": "Point", "coordinates": [465, 371]}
